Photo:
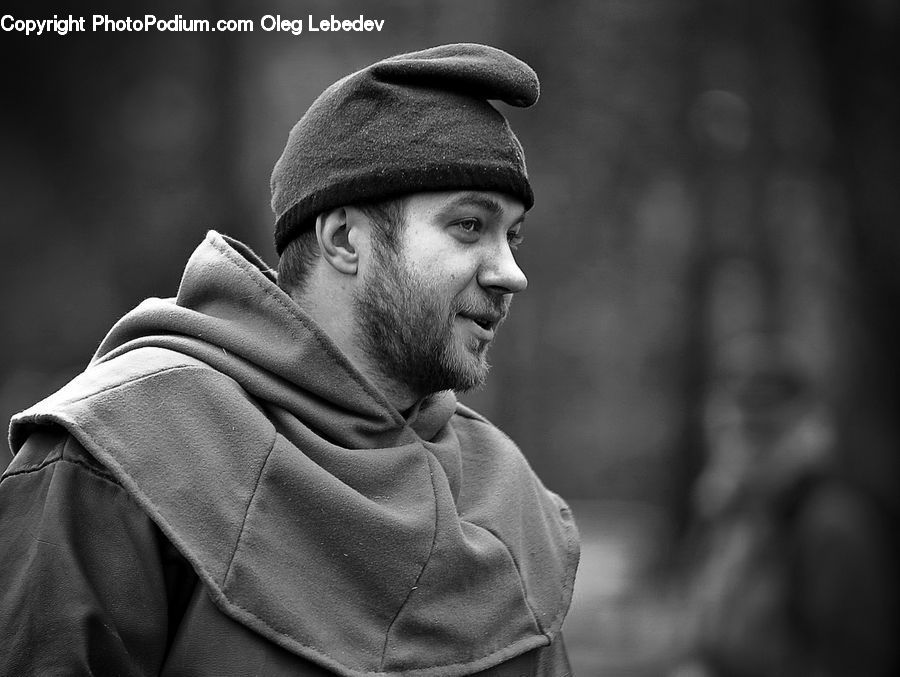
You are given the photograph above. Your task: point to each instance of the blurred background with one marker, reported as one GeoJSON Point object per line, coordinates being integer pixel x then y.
{"type": "Point", "coordinates": [704, 363]}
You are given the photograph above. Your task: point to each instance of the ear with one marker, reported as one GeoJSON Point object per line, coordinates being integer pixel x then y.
{"type": "Point", "coordinates": [333, 233]}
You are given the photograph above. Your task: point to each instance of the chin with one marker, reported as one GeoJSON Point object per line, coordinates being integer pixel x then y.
{"type": "Point", "coordinates": [471, 369]}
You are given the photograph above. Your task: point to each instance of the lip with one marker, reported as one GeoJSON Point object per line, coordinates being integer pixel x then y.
{"type": "Point", "coordinates": [484, 332]}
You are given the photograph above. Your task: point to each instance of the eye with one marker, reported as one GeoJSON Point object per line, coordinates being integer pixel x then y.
{"type": "Point", "coordinates": [515, 238]}
{"type": "Point", "coordinates": [470, 225]}
{"type": "Point", "coordinates": [467, 230]}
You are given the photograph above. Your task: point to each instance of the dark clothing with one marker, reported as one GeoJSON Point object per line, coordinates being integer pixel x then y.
{"type": "Point", "coordinates": [221, 492]}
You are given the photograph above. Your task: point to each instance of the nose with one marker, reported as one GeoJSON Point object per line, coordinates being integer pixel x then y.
{"type": "Point", "coordinates": [500, 272]}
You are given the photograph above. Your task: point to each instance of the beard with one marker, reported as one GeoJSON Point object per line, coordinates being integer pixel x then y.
{"type": "Point", "coordinates": [406, 327]}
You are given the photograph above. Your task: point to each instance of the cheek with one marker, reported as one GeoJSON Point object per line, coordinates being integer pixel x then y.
{"type": "Point", "coordinates": [430, 273]}
{"type": "Point", "coordinates": [449, 274]}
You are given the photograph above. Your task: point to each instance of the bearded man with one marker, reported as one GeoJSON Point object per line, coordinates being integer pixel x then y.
{"type": "Point", "coordinates": [270, 473]}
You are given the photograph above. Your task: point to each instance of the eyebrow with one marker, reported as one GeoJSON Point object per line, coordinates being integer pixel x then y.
{"type": "Point", "coordinates": [485, 202]}
{"type": "Point", "coordinates": [489, 204]}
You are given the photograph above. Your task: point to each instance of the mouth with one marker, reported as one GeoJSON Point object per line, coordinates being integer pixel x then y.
{"type": "Point", "coordinates": [484, 324]}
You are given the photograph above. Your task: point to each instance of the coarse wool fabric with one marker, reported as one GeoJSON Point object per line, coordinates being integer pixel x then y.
{"type": "Point", "coordinates": [410, 123]}
{"type": "Point", "coordinates": [364, 541]}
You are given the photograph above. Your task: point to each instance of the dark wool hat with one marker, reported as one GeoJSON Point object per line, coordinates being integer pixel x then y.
{"type": "Point", "coordinates": [410, 123]}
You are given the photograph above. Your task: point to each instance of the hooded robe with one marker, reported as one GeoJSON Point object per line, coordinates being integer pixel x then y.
{"type": "Point", "coordinates": [222, 492]}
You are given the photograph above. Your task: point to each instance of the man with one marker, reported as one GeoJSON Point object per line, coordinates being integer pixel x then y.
{"type": "Point", "coordinates": [272, 475]}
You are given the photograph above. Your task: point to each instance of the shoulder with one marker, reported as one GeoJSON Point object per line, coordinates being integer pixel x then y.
{"type": "Point", "coordinates": [468, 417]}
{"type": "Point", "coordinates": [105, 377]}
{"type": "Point", "coordinates": [484, 446]}
{"type": "Point", "coordinates": [468, 413]}
{"type": "Point", "coordinates": [141, 365]}
{"type": "Point", "coordinates": [81, 565]}
{"type": "Point", "coordinates": [54, 477]}
{"type": "Point", "coordinates": [48, 447]}
{"type": "Point", "coordinates": [468, 421]}
{"type": "Point", "coordinates": [488, 452]}
{"type": "Point", "coordinates": [143, 390]}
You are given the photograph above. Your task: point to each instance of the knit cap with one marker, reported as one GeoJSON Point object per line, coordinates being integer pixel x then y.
{"type": "Point", "coordinates": [410, 123]}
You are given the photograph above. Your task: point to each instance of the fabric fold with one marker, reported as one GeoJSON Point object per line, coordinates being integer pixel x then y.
{"type": "Point", "coordinates": [364, 541]}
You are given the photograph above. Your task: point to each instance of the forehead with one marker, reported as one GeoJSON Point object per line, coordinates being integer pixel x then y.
{"type": "Point", "coordinates": [435, 204]}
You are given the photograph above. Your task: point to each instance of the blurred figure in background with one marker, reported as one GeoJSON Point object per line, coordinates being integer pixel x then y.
{"type": "Point", "coordinates": [790, 571]}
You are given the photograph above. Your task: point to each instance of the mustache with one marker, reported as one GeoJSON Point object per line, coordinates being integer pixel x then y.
{"type": "Point", "coordinates": [494, 309]}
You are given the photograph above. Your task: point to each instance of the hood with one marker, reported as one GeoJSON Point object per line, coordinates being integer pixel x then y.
{"type": "Point", "coordinates": [230, 313]}
{"type": "Point", "coordinates": [317, 514]}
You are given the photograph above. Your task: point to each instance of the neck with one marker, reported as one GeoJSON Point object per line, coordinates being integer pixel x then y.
{"type": "Point", "coordinates": [335, 317]}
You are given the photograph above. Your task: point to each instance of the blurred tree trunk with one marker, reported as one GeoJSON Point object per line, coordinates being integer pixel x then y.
{"type": "Point", "coordinates": [230, 208]}
{"type": "Point", "coordinates": [795, 120]}
{"type": "Point", "coordinates": [859, 44]}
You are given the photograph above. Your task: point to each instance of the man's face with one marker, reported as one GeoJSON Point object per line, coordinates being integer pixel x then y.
{"type": "Point", "coordinates": [427, 313]}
